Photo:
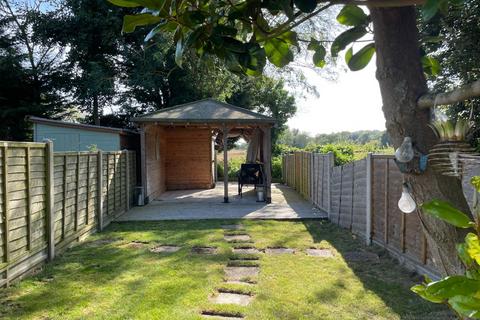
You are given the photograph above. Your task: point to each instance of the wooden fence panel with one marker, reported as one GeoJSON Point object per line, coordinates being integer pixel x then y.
{"type": "Point", "coordinates": [342, 191]}
{"type": "Point", "coordinates": [359, 198]}
{"type": "Point", "coordinates": [25, 205]}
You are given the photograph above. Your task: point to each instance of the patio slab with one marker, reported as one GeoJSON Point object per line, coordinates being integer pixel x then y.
{"type": "Point", "coordinates": [232, 298]}
{"type": "Point", "coordinates": [208, 204]}
{"type": "Point", "coordinates": [240, 273]}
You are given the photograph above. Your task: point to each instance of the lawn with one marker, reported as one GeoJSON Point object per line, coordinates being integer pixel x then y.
{"type": "Point", "coordinates": [109, 277]}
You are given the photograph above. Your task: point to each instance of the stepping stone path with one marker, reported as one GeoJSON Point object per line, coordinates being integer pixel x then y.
{"type": "Point", "coordinates": [232, 298]}
{"type": "Point", "coordinates": [165, 249]}
{"type": "Point", "coordinates": [323, 253]}
{"type": "Point", "coordinates": [239, 271]}
{"type": "Point", "coordinates": [279, 251]}
{"type": "Point", "coordinates": [204, 250]}
{"type": "Point", "coordinates": [238, 238]}
{"type": "Point", "coordinates": [242, 250]}
{"type": "Point", "coordinates": [137, 244]}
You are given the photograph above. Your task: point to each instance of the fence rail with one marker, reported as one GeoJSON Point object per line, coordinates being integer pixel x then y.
{"type": "Point", "coordinates": [50, 200]}
{"type": "Point", "coordinates": [362, 197]}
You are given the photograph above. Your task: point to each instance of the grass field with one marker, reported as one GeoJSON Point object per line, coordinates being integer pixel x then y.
{"type": "Point", "coordinates": [109, 277]}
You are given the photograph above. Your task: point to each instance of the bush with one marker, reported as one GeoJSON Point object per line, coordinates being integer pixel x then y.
{"type": "Point", "coordinates": [277, 168]}
{"type": "Point", "coordinates": [234, 167]}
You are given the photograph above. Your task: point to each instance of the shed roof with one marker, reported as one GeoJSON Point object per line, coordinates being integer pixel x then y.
{"type": "Point", "coordinates": [64, 124]}
{"type": "Point", "coordinates": [205, 111]}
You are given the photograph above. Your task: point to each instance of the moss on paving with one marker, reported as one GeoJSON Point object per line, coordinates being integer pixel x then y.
{"type": "Point", "coordinates": [112, 280]}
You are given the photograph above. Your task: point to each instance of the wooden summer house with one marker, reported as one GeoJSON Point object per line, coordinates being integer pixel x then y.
{"type": "Point", "coordinates": [178, 145]}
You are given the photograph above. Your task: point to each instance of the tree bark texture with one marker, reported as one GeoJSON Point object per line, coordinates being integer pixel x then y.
{"type": "Point", "coordinates": [402, 82]}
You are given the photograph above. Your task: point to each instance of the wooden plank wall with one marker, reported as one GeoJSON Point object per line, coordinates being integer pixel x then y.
{"type": "Point", "coordinates": [399, 233]}
{"type": "Point", "coordinates": [24, 201]}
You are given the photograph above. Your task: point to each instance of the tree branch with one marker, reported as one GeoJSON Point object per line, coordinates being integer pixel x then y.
{"type": "Point", "coordinates": [469, 91]}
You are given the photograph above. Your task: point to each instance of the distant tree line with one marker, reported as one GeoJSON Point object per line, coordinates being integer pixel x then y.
{"type": "Point", "coordinates": [299, 139]}
{"type": "Point", "coordinates": [67, 59]}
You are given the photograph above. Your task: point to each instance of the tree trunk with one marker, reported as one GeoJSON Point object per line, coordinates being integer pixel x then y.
{"type": "Point", "coordinates": [401, 79]}
{"type": "Point", "coordinates": [96, 113]}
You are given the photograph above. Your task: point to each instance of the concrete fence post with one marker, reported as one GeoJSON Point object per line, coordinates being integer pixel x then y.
{"type": "Point", "coordinates": [50, 200]}
{"type": "Point", "coordinates": [100, 189]}
{"type": "Point", "coordinates": [368, 220]}
{"type": "Point", "coordinates": [331, 163]}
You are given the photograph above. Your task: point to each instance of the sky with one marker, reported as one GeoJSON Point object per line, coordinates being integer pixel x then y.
{"type": "Point", "coordinates": [351, 102]}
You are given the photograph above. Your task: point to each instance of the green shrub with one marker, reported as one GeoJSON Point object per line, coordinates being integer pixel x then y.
{"type": "Point", "coordinates": [277, 168]}
{"type": "Point", "coordinates": [234, 167]}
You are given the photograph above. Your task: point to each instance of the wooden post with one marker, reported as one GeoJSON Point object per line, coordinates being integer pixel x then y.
{"type": "Point", "coordinates": [77, 192]}
{"type": "Point", "coordinates": [267, 154]}
{"type": "Point", "coordinates": [329, 182]}
{"type": "Point", "coordinates": [50, 201]}
{"type": "Point", "coordinates": [225, 164]}
{"type": "Point", "coordinates": [64, 203]}
{"type": "Point", "coordinates": [353, 196]}
{"type": "Point", "coordinates": [386, 196]}
{"type": "Point", "coordinates": [87, 210]}
{"type": "Point", "coordinates": [100, 189]}
{"type": "Point", "coordinates": [29, 199]}
{"type": "Point", "coordinates": [368, 219]}
{"type": "Point", "coordinates": [6, 221]}
{"type": "Point", "coordinates": [127, 175]}
{"type": "Point", "coordinates": [143, 164]}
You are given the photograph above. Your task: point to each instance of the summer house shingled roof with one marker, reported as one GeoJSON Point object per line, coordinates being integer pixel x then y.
{"type": "Point", "coordinates": [205, 111]}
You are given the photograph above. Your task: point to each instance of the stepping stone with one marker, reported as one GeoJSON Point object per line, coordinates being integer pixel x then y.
{"type": "Point", "coordinates": [137, 244]}
{"type": "Point", "coordinates": [246, 250]}
{"type": "Point", "coordinates": [361, 256]}
{"type": "Point", "coordinates": [232, 298]}
{"type": "Point", "coordinates": [165, 249]}
{"type": "Point", "coordinates": [237, 238]}
{"type": "Point", "coordinates": [240, 273]}
{"type": "Point", "coordinates": [204, 250]}
{"type": "Point", "coordinates": [323, 253]}
{"type": "Point", "coordinates": [246, 283]}
{"type": "Point", "coordinates": [232, 227]}
{"type": "Point", "coordinates": [219, 315]}
{"type": "Point", "coordinates": [279, 251]}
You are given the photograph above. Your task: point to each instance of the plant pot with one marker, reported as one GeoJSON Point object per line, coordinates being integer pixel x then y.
{"type": "Point", "coordinates": [445, 157]}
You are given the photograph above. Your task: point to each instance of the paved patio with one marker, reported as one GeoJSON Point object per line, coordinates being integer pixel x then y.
{"type": "Point", "coordinates": [208, 204]}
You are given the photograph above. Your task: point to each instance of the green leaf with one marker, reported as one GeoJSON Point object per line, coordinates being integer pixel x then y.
{"type": "Point", "coordinates": [352, 15]}
{"type": "Point", "coordinates": [150, 4]}
{"type": "Point", "coordinates": [348, 55]}
{"type": "Point", "coordinates": [130, 22]}
{"type": "Point", "coordinates": [361, 59]}
{"type": "Point", "coordinates": [125, 3]}
{"type": "Point", "coordinates": [278, 52]}
{"type": "Point", "coordinates": [420, 289]}
{"type": "Point", "coordinates": [472, 245]}
{"type": "Point", "coordinates": [463, 254]}
{"type": "Point", "coordinates": [319, 53]}
{"type": "Point", "coordinates": [430, 9]}
{"type": "Point", "coordinates": [475, 181]}
{"type": "Point", "coordinates": [444, 211]}
{"type": "Point", "coordinates": [453, 286]}
{"type": "Point", "coordinates": [431, 66]}
{"type": "Point", "coordinates": [345, 38]}
{"type": "Point", "coordinates": [306, 6]}
{"type": "Point", "coordinates": [466, 306]}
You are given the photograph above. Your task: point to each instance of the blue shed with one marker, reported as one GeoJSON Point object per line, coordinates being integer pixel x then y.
{"type": "Point", "coordinates": [68, 136]}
